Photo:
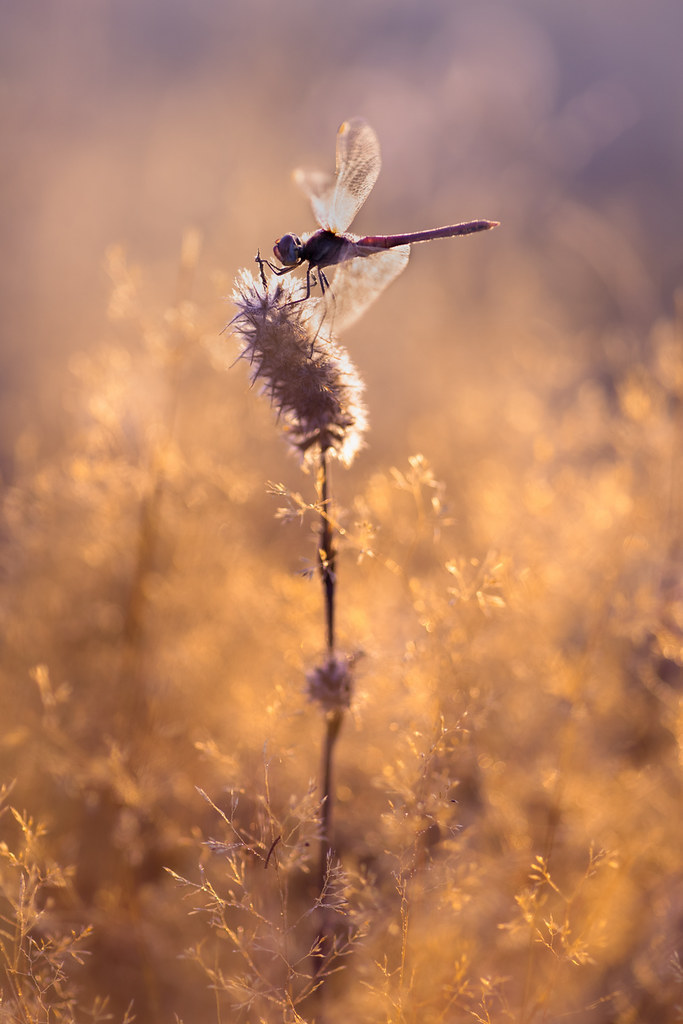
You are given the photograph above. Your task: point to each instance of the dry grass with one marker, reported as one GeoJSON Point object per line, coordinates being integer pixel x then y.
{"type": "Point", "coordinates": [505, 803]}
{"type": "Point", "coordinates": [506, 829]}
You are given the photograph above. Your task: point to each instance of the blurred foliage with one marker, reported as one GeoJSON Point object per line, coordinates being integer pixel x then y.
{"type": "Point", "coordinates": [508, 781]}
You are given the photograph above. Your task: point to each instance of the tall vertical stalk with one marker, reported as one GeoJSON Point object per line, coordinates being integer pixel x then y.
{"type": "Point", "coordinates": [326, 551]}
{"type": "Point", "coordinates": [317, 393]}
{"type": "Point", "coordinates": [334, 716]}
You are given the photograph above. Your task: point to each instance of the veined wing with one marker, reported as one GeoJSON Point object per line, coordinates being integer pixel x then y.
{"type": "Point", "coordinates": [319, 187]}
{"type": "Point", "coordinates": [358, 282]}
{"type": "Point", "coordinates": [336, 200]}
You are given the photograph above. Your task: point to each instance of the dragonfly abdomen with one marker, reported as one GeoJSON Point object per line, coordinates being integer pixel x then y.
{"type": "Point", "coordinates": [390, 241]}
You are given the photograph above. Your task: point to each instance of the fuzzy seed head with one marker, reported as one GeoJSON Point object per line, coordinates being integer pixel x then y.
{"type": "Point", "coordinates": [310, 379]}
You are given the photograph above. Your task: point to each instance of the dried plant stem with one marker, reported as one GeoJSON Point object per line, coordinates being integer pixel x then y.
{"type": "Point", "coordinates": [334, 717]}
{"type": "Point", "coordinates": [334, 721]}
{"type": "Point", "coordinates": [327, 560]}
{"type": "Point", "coordinates": [326, 551]}
{"type": "Point", "coordinates": [316, 391]}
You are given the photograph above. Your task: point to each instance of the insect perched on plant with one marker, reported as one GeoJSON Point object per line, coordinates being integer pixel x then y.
{"type": "Point", "coordinates": [365, 266]}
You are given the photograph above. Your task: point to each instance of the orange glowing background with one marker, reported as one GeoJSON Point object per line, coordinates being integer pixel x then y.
{"type": "Point", "coordinates": [521, 582]}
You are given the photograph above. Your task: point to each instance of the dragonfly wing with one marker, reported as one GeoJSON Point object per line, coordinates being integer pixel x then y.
{"type": "Point", "coordinates": [320, 189]}
{"type": "Point", "coordinates": [358, 164]}
{"type": "Point", "coordinates": [358, 282]}
{"type": "Point", "coordinates": [336, 200]}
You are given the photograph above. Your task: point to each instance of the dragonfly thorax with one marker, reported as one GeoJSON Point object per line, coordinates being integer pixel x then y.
{"type": "Point", "coordinates": [288, 250]}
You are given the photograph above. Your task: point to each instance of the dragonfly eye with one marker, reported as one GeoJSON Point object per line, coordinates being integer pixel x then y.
{"type": "Point", "coordinates": [288, 250]}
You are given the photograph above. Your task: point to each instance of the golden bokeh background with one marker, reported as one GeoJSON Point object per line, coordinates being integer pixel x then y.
{"type": "Point", "coordinates": [512, 564]}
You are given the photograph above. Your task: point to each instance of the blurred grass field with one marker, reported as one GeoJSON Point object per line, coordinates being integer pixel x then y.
{"type": "Point", "coordinates": [508, 782]}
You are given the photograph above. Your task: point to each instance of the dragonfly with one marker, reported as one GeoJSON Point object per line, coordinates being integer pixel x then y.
{"type": "Point", "coordinates": [364, 266]}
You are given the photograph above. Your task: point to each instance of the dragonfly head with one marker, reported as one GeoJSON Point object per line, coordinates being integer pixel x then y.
{"type": "Point", "coordinates": [288, 250]}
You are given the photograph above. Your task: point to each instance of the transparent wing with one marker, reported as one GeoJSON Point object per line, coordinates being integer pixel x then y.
{"type": "Point", "coordinates": [358, 282]}
{"type": "Point", "coordinates": [336, 200]}
{"type": "Point", "coordinates": [319, 187]}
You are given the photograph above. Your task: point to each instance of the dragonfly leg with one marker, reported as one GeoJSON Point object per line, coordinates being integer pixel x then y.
{"type": "Point", "coordinates": [310, 280]}
{"type": "Point", "coordinates": [260, 262]}
{"type": "Point", "coordinates": [310, 283]}
{"type": "Point", "coordinates": [275, 270]}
